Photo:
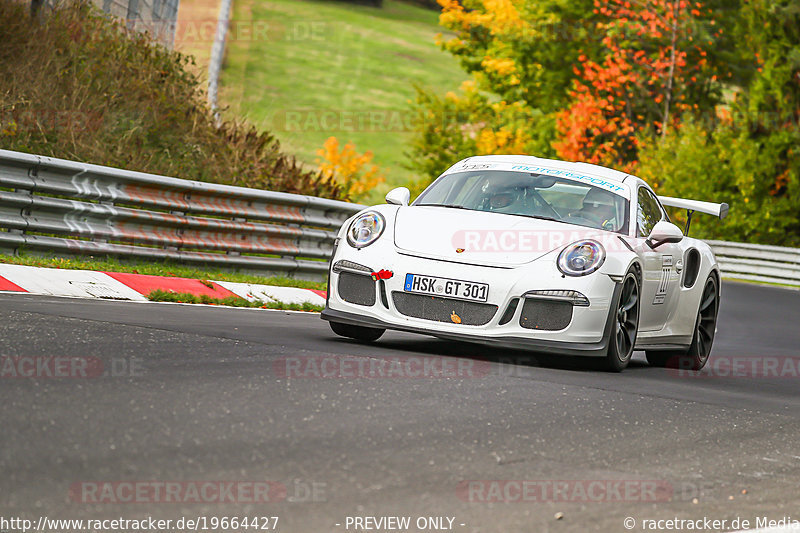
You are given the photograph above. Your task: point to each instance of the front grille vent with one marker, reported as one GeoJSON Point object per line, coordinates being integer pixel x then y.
{"type": "Point", "coordinates": [443, 309]}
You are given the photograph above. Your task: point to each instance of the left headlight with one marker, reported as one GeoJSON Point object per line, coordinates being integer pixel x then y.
{"type": "Point", "coordinates": [581, 258]}
{"type": "Point", "coordinates": [365, 229]}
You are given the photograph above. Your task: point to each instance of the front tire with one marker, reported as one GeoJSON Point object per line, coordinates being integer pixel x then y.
{"type": "Point", "coordinates": [696, 357]}
{"type": "Point", "coordinates": [359, 333]}
{"type": "Point", "coordinates": [625, 325]}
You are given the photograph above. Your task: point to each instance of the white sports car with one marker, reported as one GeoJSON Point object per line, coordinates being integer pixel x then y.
{"type": "Point", "coordinates": [522, 252]}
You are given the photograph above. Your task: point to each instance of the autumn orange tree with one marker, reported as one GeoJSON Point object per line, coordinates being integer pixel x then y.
{"type": "Point", "coordinates": [654, 68]}
{"type": "Point", "coordinates": [349, 170]}
{"type": "Point", "coordinates": [582, 79]}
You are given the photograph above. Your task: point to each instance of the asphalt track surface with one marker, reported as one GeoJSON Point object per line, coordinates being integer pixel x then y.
{"type": "Point", "coordinates": [207, 401]}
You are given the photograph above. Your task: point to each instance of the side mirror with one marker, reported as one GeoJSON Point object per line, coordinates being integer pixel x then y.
{"type": "Point", "coordinates": [398, 196]}
{"type": "Point", "coordinates": [664, 232]}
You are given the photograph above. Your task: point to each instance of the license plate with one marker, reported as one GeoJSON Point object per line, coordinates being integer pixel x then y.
{"type": "Point", "coordinates": [451, 288]}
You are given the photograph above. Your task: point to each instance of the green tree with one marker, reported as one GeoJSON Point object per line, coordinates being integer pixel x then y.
{"type": "Point", "coordinates": [519, 54]}
{"type": "Point", "coordinates": [749, 156]}
{"type": "Point", "coordinates": [521, 50]}
{"type": "Point", "coordinates": [470, 122]}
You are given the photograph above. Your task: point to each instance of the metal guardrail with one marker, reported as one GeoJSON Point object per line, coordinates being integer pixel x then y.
{"type": "Point", "coordinates": [758, 262]}
{"type": "Point", "coordinates": [64, 207]}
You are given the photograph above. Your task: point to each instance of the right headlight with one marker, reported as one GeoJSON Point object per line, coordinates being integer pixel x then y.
{"type": "Point", "coordinates": [581, 258]}
{"type": "Point", "coordinates": [365, 229]}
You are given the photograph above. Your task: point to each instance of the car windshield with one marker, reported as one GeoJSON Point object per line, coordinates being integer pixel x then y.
{"type": "Point", "coordinates": [531, 195]}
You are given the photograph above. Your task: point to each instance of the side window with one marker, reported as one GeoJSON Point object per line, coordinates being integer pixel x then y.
{"type": "Point", "coordinates": [648, 213]}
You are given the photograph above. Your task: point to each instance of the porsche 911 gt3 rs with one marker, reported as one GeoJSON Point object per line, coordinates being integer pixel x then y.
{"type": "Point", "coordinates": [523, 252]}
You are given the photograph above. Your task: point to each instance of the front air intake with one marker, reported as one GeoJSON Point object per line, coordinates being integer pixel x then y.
{"type": "Point", "coordinates": [356, 288]}
{"type": "Point", "coordinates": [545, 315]}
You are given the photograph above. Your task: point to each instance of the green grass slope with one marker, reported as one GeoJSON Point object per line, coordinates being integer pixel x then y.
{"type": "Point", "coordinates": [76, 84]}
{"type": "Point", "coordinates": [307, 70]}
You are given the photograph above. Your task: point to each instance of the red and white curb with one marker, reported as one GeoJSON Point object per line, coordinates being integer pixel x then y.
{"type": "Point", "coordinates": [136, 287]}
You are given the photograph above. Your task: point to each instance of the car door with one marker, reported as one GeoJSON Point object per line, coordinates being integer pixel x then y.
{"type": "Point", "coordinates": [661, 276]}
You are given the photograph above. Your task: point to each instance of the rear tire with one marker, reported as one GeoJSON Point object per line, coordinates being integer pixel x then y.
{"type": "Point", "coordinates": [359, 333]}
{"type": "Point", "coordinates": [625, 325]}
{"type": "Point", "coordinates": [696, 357]}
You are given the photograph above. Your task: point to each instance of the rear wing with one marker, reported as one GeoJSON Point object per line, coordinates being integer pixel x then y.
{"type": "Point", "coordinates": [709, 208]}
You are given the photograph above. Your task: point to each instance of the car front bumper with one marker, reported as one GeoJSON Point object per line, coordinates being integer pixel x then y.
{"type": "Point", "coordinates": [384, 304]}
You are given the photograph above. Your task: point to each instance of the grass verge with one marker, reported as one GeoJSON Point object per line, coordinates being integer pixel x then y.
{"type": "Point", "coordinates": [232, 301]}
{"type": "Point", "coordinates": [157, 269]}
{"type": "Point", "coordinates": [312, 69]}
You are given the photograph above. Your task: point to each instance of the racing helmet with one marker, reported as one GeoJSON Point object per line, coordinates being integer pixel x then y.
{"type": "Point", "coordinates": [504, 198]}
{"type": "Point", "coordinates": [597, 199]}
{"type": "Point", "coordinates": [599, 205]}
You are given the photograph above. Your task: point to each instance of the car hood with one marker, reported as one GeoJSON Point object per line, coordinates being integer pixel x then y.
{"type": "Point", "coordinates": [480, 238]}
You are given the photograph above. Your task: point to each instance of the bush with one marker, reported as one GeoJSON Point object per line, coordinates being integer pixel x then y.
{"type": "Point", "coordinates": [450, 128]}
{"type": "Point", "coordinates": [77, 85]}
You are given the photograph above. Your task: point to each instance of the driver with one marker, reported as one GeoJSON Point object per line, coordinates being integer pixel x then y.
{"type": "Point", "coordinates": [507, 200]}
{"type": "Point", "coordinates": [598, 207]}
